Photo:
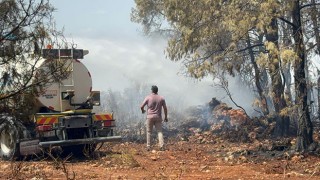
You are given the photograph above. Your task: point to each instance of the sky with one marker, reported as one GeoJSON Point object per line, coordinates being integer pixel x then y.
{"type": "Point", "coordinates": [119, 54]}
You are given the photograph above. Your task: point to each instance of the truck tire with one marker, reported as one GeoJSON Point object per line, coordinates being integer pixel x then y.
{"type": "Point", "coordinates": [80, 149]}
{"type": "Point", "coordinates": [9, 139]}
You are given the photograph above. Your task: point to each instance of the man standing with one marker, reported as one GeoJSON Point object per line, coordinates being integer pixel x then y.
{"type": "Point", "coordinates": [155, 103]}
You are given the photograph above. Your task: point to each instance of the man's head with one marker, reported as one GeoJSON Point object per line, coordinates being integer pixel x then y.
{"type": "Point", "coordinates": [154, 89]}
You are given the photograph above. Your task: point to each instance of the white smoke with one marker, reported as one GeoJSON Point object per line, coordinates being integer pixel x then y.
{"type": "Point", "coordinates": [116, 64]}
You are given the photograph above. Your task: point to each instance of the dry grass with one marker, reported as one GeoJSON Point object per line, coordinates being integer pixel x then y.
{"type": "Point", "coordinates": [125, 158]}
{"type": "Point", "coordinates": [61, 164]}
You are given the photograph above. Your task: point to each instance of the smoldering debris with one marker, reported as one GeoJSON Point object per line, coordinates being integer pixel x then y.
{"type": "Point", "coordinates": [212, 118]}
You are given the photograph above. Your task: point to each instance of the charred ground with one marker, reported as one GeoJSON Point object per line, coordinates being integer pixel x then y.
{"type": "Point", "coordinates": [202, 146]}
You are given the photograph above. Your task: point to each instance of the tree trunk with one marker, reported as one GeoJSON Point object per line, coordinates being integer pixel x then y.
{"type": "Point", "coordinates": [286, 70]}
{"type": "Point", "coordinates": [305, 127]}
{"type": "Point", "coordinates": [318, 95]}
{"type": "Point", "coordinates": [314, 18]}
{"type": "Point", "coordinates": [260, 90]}
{"type": "Point", "coordinates": [282, 122]}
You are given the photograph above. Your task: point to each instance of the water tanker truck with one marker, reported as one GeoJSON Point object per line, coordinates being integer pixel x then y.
{"type": "Point", "coordinates": [63, 114]}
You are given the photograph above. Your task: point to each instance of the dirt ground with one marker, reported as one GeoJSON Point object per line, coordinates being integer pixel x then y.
{"type": "Point", "coordinates": [214, 158]}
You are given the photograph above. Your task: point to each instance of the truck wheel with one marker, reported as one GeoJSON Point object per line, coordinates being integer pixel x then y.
{"type": "Point", "coordinates": [79, 150]}
{"type": "Point", "coordinates": [88, 149]}
{"type": "Point", "coordinates": [9, 138]}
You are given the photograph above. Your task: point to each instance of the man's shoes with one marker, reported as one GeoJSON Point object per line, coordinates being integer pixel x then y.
{"type": "Point", "coordinates": [148, 148]}
{"type": "Point", "coordinates": [162, 149]}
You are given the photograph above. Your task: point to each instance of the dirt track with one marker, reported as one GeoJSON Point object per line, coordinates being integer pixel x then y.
{"type": "Point", "coordinates": [182, 160]}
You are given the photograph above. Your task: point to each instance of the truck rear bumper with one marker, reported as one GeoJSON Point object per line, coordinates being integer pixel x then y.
{"type": "Point", "coordinates": [80, 141]}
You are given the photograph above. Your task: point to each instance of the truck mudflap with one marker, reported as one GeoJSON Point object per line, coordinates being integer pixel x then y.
{"type": "Point", "coordinates": [79, 141]}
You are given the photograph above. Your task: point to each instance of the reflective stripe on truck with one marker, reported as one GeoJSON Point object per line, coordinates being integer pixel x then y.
{"type": "Point", "coordinates": [99, 117]}
{"type": "Point", "coordinates": [46, 120]}
{"type": "Point", "coordinates": [105, 119]}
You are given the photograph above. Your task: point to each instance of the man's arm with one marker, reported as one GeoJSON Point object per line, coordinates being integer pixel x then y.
{"type": "Point", "coordinates": [142, 109]}
{"type": "Point", "coordinates": [144, 103]}
{"type": "Point", "coordinates": [165, 113]}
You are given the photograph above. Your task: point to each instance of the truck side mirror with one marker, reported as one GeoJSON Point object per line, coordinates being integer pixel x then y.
{"type": "Point", "coordinates": [95, 97]}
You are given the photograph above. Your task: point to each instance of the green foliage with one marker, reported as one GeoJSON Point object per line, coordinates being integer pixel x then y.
{"type": "Point", "coordinates": [23, 32]}
{"type": "Point", "coordinates": [214, 31]}
{"type": "Point", "coordinates": [204, 31]}
{"type": "Point", "coordinates": [211, 36]}
{"type": "Point", "coordinates": [289, 56]}
{"type": "Point", "coordinates": [26, 27]}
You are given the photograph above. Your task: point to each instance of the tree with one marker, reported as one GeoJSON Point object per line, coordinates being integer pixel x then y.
{"type": "Point", "coordinates": [26, 26]}
{"type": "Point", "coordinates": [305, 127]}
{"type": "Point", "coordinates": [211, 37]}
{"type": "Point", "coordinates": [232, 36]}
{"type": "Point", "coordinates": [315, 24]}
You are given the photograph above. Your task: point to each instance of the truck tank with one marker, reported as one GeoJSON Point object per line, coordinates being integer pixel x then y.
{"type": "Point", "coordinates": [55, 96]}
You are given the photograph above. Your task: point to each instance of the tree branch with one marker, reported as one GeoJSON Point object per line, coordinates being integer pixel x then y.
{"type": "Point", "coordinates": [308, 5]}
{"type": "Point", "coordinates": [286, 21]}
{"type": "Point", "coordinates": [250, 47]}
